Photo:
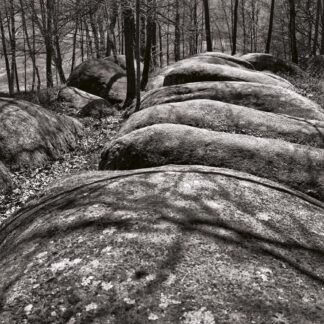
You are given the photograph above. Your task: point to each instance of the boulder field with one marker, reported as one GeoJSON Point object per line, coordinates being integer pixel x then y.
{"type": "Point", "coordinates": [215, 213]}
{"type": "Point", "coordinates": [229, 118]}
{"type": "Point", "coordinates": [229, 58]}
{"type": "Point", "coordinates": [176, 244]}
{"type": "Point", "coordinates": [262, 61]}
{"type": "Point", "coordinates": [206, 58]}
{"type": "Point", "coordinates": [252, 95]}
{"type": "Point", "coordinates": [199, 72]}
{"type": "Point", "coordinates": [30, 135]}
{"type": "Point", "coordinates": [297, 166]}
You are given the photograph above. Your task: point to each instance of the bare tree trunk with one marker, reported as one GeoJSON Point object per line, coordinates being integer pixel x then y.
{"type": "Point", "coordinates": [5, 53]}
{"type": "Point", "coordinates": [12, 31]}
{"type": "Point", "coordinates": [102, 39]}
{"type": "Point", "coordinates": [129, 28]}
{"type": "Point", "coordinates": [138, 56]}
{"type": "Point", "coordinates": [74, 44]}
{"type": "Point", "coordinates": [81, 40]}
{"type": "Point", "coordinates": [57, 55]}
{"type": "Point", "coordinates": [148, 47]}
{"type": "Point", "coordinates": [243, 26]}
{"type": "Point", "coordinates": [49, 43]}
{"type": "Point", "coordinates": [317, 23]}
{"type": "Point", "coordinates": [25, 65]}
{"type": "Point", "coordinates": [34, 54]}
{"type": "Point", "coordinates": [95, 34]}
{"type": "Point", "coordinates": [207, 27]}
{"type": "Point", "coordinates": [30, 49]}
{"type": "Point", "coordinates": [160, 46]}
{"type": "Point", "coordinates": [143, 35]}
{"type": "Point", "coordinates": [310, 26]}
{"type": "Point", "coordinates": [322, 39]}
{"type": "Point", "coordinates": [112, 25]}
{"type": "Point", "coordinates": [292, 31]}
{"type": "Point", "coordinates": [168, 35]}
{"type": "Point", "coordinates": [177, 32]}
{"type": "Point", "coordinates": [235, 17]}
{"type": "Point", "coordinates": [267, 50]}
{"type": "Point", "coordinates": [88, 40]}
{"type": "Point", "coordinates": [227, 23]}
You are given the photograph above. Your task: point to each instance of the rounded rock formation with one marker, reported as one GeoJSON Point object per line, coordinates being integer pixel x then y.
{"type": "Point", "coordinates": [176, 244]}
{"type": "Point", "coordinates": [229, 118]}
{"type": "Point", "coordinates": [96, 76]}
{"type": "Point", "coordinates": [30, 135]}
{"type": "Point", "coordinates": [298, 166]}
{"type": "Point", "coordinates": [263, 61]}
{"type": "Point", "coordinates": [252, 95]}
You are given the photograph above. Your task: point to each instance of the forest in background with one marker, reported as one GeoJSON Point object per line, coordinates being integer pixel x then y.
{"type": "Point", "coordinates": [42, 41]}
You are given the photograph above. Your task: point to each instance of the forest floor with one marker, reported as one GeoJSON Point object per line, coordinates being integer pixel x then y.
{"type": "Point", "coordinates": [28, 184]}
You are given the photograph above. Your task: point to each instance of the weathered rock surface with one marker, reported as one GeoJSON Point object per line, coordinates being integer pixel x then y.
{"type": "Point", "coordinates": [234, 59]}
{"type": "Point", "coordinates": [253, 95]}
{"type": "Point", "coordinates": [31, 135]}
{"type": "Point", "coordinates": [5, 179]}
{"type": "Point", "coordinates": [200, 72]}
{"type": "Point", "coordinates": [205, 58]}
{"type": "Point", "coordinates": [118, 91]}
{"type": "Point", "coordinates": [98, 109]}
{"type": "Point", "coordinates": [75, 97]}
{"type": "Point", "coordinates": [167, 245]}
{"type": "Point", "coordinates": [121, 61]}
{"type": "Point", "coordinates": [96, 76]}
{"type": "Point", "coordinates": [297, 166]}
{"type": "Point", "coordinates": [223, 117]}
{"type": "Point", "coordinates": [262, 61]}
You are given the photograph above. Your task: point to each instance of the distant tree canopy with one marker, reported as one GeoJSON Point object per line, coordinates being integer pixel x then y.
{"type": "Point", "coordinates": [43, 40]}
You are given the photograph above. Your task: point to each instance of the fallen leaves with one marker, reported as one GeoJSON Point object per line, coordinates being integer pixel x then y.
{"type": "Point", "coordinates": [29, 184]}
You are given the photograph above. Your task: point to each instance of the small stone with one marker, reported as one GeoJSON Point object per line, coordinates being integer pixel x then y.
{"type": "Point", "coordinates": [153, 317]}
{"type": "Point", "coordinates": [129, 301]}
{"type": "Point", "coordinates": [107, 286]}
{"type": "Point", "coordinates": [28, 309]}
{"type": "Point", "coordinates": [72, 320]}
{"type": "Point", "coordinates": [90, 307]}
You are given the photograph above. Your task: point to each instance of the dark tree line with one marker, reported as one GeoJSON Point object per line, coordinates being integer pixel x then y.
{"type": "Point", "coordinates": [43, 40]}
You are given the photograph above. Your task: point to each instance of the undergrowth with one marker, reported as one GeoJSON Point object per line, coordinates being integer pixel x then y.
{"type": "Point", "coordinates": [29, 183]}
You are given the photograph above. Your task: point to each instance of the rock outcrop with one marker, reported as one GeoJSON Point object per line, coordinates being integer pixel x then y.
{"type": "Point", "coordinates": [76, 98]}
{"type": "Point", "coordinates": [177, 244]}
{"type": "Point", "coordinates": [228, 118]}
{"type": "Point", "coordinates": [229, 58]}
{"type": "Point", "coordinates": [262, 61]}
{"type": "Point", "coordinates": [30, 135]}
{"type": "Point", "coordinates": [97, 77]}
{"type": "Point", "coordinates": [252, 95]}
{"type": "Point", "coordinates": [200, 72]}
{"type": "Point", "coordinates": [297, 166]}
{"type": "Point", "coordinates": [209, 58]}
{"type": "Point", "coordinates": [182, 243]}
